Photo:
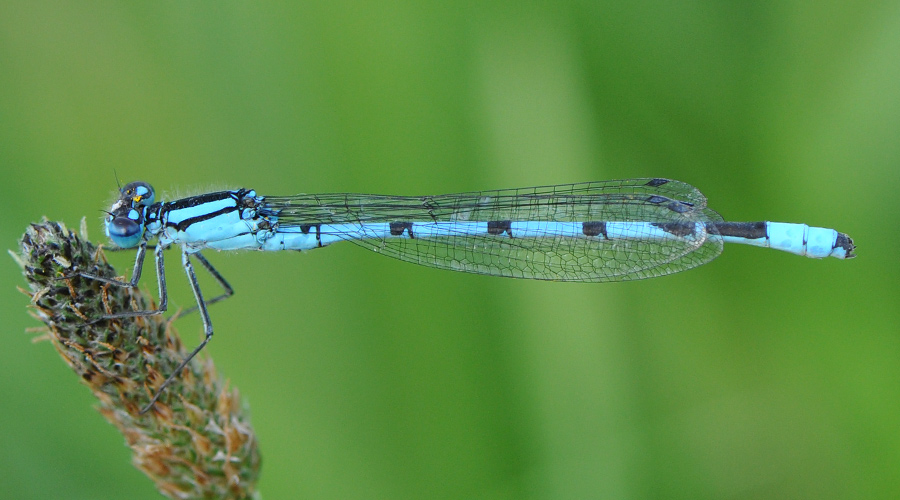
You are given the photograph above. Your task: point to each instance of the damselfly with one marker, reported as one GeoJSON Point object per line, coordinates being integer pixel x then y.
{"type": "Point", "coordinates": [589, 232]}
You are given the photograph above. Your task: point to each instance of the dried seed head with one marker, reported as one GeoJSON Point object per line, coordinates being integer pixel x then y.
{"type": "Point", "coordinates": [123, 361]}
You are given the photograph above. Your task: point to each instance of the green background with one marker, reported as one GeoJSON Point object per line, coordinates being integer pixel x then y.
{"type": "Point", "coordinates": [761, 375]}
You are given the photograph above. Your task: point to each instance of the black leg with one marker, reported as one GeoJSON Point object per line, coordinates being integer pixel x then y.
{"type": "Point", "coordinates": [160, 280]}
{"type": "Point", "coordinates": [204, 316]}
{"type": "Point", "coordinates": [227, 290]}
{"type": "Point", "coordinates": [135, 277]}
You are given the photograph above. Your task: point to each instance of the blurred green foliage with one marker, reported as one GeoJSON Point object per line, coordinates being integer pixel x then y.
{"type": "Point", "coordinates": [760, 375]}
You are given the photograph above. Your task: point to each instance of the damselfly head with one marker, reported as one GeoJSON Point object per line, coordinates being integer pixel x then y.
{"type": "Point", "coordinates": [125, 224]}
{"type": "Point", "coordinates": [138, 193]}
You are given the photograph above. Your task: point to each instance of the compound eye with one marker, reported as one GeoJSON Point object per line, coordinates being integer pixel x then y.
{"type": "Point", "coordinates": [125, 231]}
{"type": "Point", "coordinates": [139, 194]}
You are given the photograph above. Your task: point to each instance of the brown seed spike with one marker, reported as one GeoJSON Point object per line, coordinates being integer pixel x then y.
{"type": "Point", "coordinates": [120, 360]}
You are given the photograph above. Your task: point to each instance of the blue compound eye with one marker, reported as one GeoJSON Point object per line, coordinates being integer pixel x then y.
{"type": "Point", "coordinates": [139, 194]}
{"type": "Point", "coordinates": [125, 231]}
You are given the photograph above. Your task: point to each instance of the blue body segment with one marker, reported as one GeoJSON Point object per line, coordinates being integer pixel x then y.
{"type": "Point", "coordinates": [650, 227]}
{"type": "Point", "coordinates": [590, 232]}
{"type": "Point", "coordinates": [800, 239]}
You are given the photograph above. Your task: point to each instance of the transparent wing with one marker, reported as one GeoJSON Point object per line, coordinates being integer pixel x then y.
{"type": "Point", "coordinates": [548, 255]}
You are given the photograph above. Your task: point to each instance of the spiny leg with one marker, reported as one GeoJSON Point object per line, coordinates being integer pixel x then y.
{"type": "Point", "coordinates": [135, 274]}
{"type": "Point", "coordinates": [161, 283]}
{"type": "Point", "coordinates": [228, 291]}
{"type": "Point", "coordinates": [207, 327]}
{"type": "Point", "coordinates": [135, 277]}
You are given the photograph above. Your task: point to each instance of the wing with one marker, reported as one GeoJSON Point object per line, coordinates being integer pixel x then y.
{"type": "Point", "coordinates": [548, 254]}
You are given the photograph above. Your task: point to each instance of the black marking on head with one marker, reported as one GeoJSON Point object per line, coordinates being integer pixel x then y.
{"type": "Point", "coordinates": [594, 229]}
{"type": "Point", "coordinates": [680, 229]}
{"type": "Point", "coordinates": [136, 194]}
{"type": "Point", "coordinates": [657, 182]}
{"type": "Point", "coordinates": [500, 227]}
{"type": "Point", "coordinates": [397, 229]}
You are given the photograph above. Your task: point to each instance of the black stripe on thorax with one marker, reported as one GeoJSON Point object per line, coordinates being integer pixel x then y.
{"type": "Point", "coordinates": [194, 201]}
